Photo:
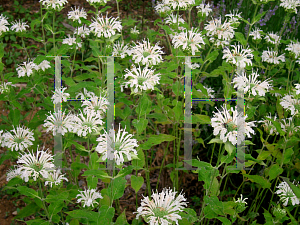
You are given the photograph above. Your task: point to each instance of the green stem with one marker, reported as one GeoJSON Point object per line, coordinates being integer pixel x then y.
{"type": "Point", "coordinates": [44, 42]}
{"type": "Point", "coordinates": [287, 84]}
{"type": "Point", "coordinates": [43, 200]}
{"type": "Point", "coordinates": [24, 48]}
{"type": "Point", "coordinates": [53, 33]}
{"type": "Point", "coordinates": [196, 79]}
{"type": "Point", "coordinates": [252, 23]}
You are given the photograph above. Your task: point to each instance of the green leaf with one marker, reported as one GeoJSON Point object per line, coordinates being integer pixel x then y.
{"type": "Point", "coordinates": [1, 50]}
{"type": "Point", "coordinates": [116, 188]}
{"type": "Point", "coordinates": [92, 182]}
{"type": "Point", "coordinates": [177, 88]}
{"type": "Point", "coordinates": [144, 106]}
{"type": "Point", "coordinates": [121, 220]}
{"type": "Point", "coordinates": [240, 38]}
{"type": "Point", "coordinates": [212, 56]}
{"type": "Point", "coordinates": [101, 174]}
{"type": "Point", "coordinates": [274, 171]}
{"type": "Point", "coordinates": [277, 126]}
{"type": "Point", "coordinates": [78, 166]}
{"type": "Point", "coordinates": [34, 22]}
{"type": "Point", "coordinates": [28, 192]}
{"type": "Point", "coordinates": [258, 179]}
{"type": "Point", "coordinates": [125, 171]}
{"type": "Point", "coordinates": [155, 140]}
{"type": "Point", "coordinates": [56, 196]}
{"type": "Point", "coordinates": [48, 27]}
{"type": "Point", "coordinates": [258, 17]}
{"type": "Point", "coordinates": [93, 165]}
{"type": "Point", "coordinates": [55, 207]}
{"type": "Point", "coordinates": [139, 163]}
{"type": "Point", "coordinates": [136, 182]}
{"type": "Point", "coordinates": [106, 215]}
{"type": "Point", "coordinates": [215, 205]}
{"type": "Point", "coordinates": [224, 220]}
{"type": "Point", "coordinates": [140, 125]}
{"type": "Point", "coordinates": [74, 222]}
{"type": "Point", "coordinates": [89, 215]}
{"type": "Point", "coordinates": [38, 222]}
{"type": "Point", "coordinates": [28, 210]}
{"type": "Point", "coordinates": [229, 147]}
{"type": "Point", "coordinates": [160, 117]}
{"type": "Point", "coordinates": [288, 154]}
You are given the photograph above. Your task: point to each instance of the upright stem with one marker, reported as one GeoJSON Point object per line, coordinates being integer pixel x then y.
{"type": "Point", "coordinates": [44, 42]}
{"type": "Point", "coordinates": [43, 200]}
{"type": "Point", "coordinates": [24, 48]}
{"type": "Point", "coordinates": [53, 32]}
{"type": "Point", "coordinates": [252, 22]}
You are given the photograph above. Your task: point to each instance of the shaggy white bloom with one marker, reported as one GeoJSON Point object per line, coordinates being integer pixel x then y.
{"type": "Point", "coordinates": [54, 4]}
{"type": "Point", "coordinates": [119, 49]}
{"type": "Point", "coordinates": [134, 30]}
{"type": "Point", "coordinates": [96, 106]}
{"type": "Point", "coordinates": [146, 54]}
{"type": "Point", "coordinates": [5, 87]}
{"type": "Point", "coordinates": [271, 57]}
{"type": "Point", "coordinates": [85, 94]}
{"type": "Point", "coordinates": [209, 90]}
{"type": "Point", "coordinates": [60, 96]}
{"type": "Point", "coordinates": [163, 208]}
{"type": "Point", "coordinates": [35, 165]}
{"type": "Point", "coordinates": [55, 177]}
{"type": "Point", "coordinates": [86, 124]}
{"type": "Point", "coordinates": [268, 125]}
{"type": "Point", "coordinates": [172, 19]}
{"type": "Point", "coordinates": [12, 173]}
{"type": "Point", "coordinates": [234, 16]}
{"type": "Point", "coordinates": [3, 24]}
{"type": "Point", "coordinates": [288, 102]}
{"type": "Point", "coordinates": [297, 87]}
{"type": "Point", "coordinates": [162, 8]}
{"type": "Point", "coordinates": [204, 8]}
{"type": "Point", "coordinates": [294, 47]}
{"type": "Point", "coordinates": [273, 36]}
{"type": "Point", "coordinates": [241, 200]}
{"type": "Point", "coordinates": [256, 34]}
{"type": "Point", "coordinates": [286, 194]}
{"type": "Point", "coordinates": [75, 14]}
{"type": "Point", "coordinates": [21, 138]}
{"type": "Point", "coordinates": [71, 40]}
{"type": "Point", "coordinates": [189, 40]}
{"type": "Point", "coordinates": [179, 4]}
{"type": "Point", "coordinates": [82, 31]}
{"type": "Point", "coordinates": [59, 122]}
{"type": "Point", "coordinates": [44, 65]}
{"type": "Point", "coordinates": [97, 2]}
{"type": "Point", "coordinates": [122, 150]}
{"type": "Point", "coordinates": [89, 197]}
{"type": "Point", "coordinates": [288, 126]}
{"type": "Point", "coordinates": [252, 84]}
{"type": "Point", "coordinates": [105, 27]}
{"type": "Point", "coordinates": [19, 26]}
{"type": "Point", "coordinates": [26, 69]}
{"type": "Point", "coordinates": [220, 31]}
{"type": "Point", "coordinates": [238, 56]}
{"type": "Point", "coordinates": [141, 80]}
{"type": "Point", "coordinates": [290, 5]}
{"type": "Point", "coordinates": [226, 125]}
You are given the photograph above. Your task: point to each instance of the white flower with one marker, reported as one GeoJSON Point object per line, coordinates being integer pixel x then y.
{"type": "Point", "coordinates": [85, 94]}
{"type": "Point", "coordinates": [286, 194]}
{"type": "Point", "coordinates": [44, 65]}
{"type": "Point", "coordinates": [21, 139]}
{"type": "Point", "coordinates": [234, 16]}
{"type": "Point", "coordinates": [71, 40]}
{"type": "Point", "coordinates": [162, 8]}
{"type": "Point", "coordinates": [59, 122]}
{"type": "Point", "coordinates": [163, 209]}
{"type": "Point", "coordinates": [172, 19]}
{"type": "Point", "coordinates": [294, 47]}
{"type": "Point", "coordinates": [227, 126]}
{"type": "Point", "coordinates": [82, 31]}
{"type": "Point", "coordinates": [268, 126]}
{"type": "Point", "coordinates": [3, 24]}
{"type": "Point", "coordinates": [55, 177]}
{"type": "Point", "coordinates": [97, 2]}
{"type": "Point", "coordinates": [288, 102]}
{"type": "Point", "coordinates": [146, 54]}
{"type": "Point", "coordinates": [134, 30]}
{"type": "Point", "coordinates": [204, 8]}
{"type": "Point", "coordinates": [105, 26]}
{"type": "Point", "coordinates": [179, 4]}
{"type": "Point", "coordinates": [5, 87]}
{"type": "Point", "coordinates": [288, 126]}
{"type": "Point", "coordinates": [238, 56]}
{"type": "Point", "coordinates": [141, 80]}
{"type": "Point", "coordinates": [35, 165]}
{"type": "Point", "coordinates": [59, 96]}
{"type": "Point", "coordinates": [123, 145]}
{"type": "Point", "coordinates": [26, 69]}
{"type": "Point", "coordinates": [54, 4]}
{"type": "Point", "coordinates": [220, 31]}
{"type": "Point", "coordinates": [271, 57]}
{"type": "Point", "coordinates": [192, 66]}
{"type": "Point", "coordinates": [12, 173]}
{"type": "Point", "coordinates": [96, 106]}
{"type": "Point", "coordinates": [273, 36]}
{"type": "Point", "coordinates": [119, 49]}
{"type": "Point", "coordinates": [210, 91]}
{"type": "Point", "coordinates": [297, 89]}
{"type": "Point", "coordinates": [290, 5]}
{"type": "Point", "coordinates": [241, 200]}
{"type": "Point", "coordinates": [89, 197]}
{"type": "Point", "coordinates": [76, 14]}
{"type": "Point", "coordinates": [252, 84]}
{"type": "Point", "coordinates": [86, 124]}
{"type": "Point", "coordinates": [189, 40]}
{"type": "Point", "coordinates": [256, 33]}
{"type": "Point", "coordinates": [18, 26]}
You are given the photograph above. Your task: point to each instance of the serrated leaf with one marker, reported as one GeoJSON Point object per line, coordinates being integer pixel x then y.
{"type": "Point", "coordinates": [258, 179]}
{"type": "Point", "coordinates": [28, 192]}
{"type": "Point", "coordinates": [240, 38]}
{"type": "Point", "coordinates": [155, 140]}
{"type": "Point", "coordinates": [116, 188]}
{"type": "Point", "coordinates": [274, 171]}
